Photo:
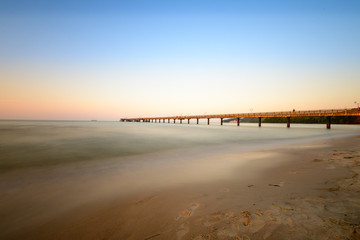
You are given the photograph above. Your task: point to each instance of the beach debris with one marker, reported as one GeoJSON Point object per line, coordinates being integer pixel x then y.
{"type": "Point", "coordinates": [152, 236]}
{"type": "Point", "coordinates": [251, 185]}
{"type": "Point", "coordinates": [333, 189]}
{"type": "Point", "coordinates": [281, 184]}
{"type": "Point", "coordinates": [258, 213]}
{"type": "Point", "coordinates": [318, 160]}
{"type": "Point", "coordinates": [274, 185]}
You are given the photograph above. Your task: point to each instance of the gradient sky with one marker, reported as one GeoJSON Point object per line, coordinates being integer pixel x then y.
{"type": "Point", "coordinates": [110, 59]}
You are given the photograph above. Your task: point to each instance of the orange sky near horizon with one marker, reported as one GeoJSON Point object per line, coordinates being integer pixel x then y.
{"type": "Point", "coordinates": [65, 94]}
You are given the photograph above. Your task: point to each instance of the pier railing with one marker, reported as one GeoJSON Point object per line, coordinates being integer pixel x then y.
{"type": "Point", "coordinates": [328, 113]}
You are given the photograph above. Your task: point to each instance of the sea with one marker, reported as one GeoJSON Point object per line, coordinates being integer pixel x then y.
{"type": "Point", "coordinates": [50, 167]}
{"type": "Point", "coordinates": [32, 144]}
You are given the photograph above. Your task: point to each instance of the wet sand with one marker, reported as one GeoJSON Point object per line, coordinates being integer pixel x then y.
{"type": "Point", "coordinates": [312, 192]}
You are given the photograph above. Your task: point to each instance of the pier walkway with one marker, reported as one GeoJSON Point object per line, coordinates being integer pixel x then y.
{"type": "Point", "coordinates": [287, 114]}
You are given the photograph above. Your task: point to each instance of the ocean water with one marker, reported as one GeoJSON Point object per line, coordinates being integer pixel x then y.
{"type": "Point", "coordinates": [29, 144]}
{"type": "Point", "coordinates": [48, 168]}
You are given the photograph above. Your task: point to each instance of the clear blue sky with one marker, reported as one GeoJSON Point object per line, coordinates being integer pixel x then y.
{"type": "Point", "coordinates": [109, 59]}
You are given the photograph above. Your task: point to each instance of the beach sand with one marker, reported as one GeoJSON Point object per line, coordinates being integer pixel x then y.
{"type": "Point", "coordinates": [312, 192]}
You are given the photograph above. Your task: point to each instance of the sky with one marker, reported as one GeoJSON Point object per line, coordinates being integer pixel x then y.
{"type": "Point", "coordinates": [105, 60]}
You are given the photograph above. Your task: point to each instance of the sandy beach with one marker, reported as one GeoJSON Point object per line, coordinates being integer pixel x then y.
{"type": "Point", "coordinates": [312, 192]}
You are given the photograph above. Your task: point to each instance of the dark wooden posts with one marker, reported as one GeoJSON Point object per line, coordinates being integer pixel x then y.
{"type": "Point", "coordinates": [288, 122]}
{"type": "Point", "coordinates": [328, 122]}
{"type": "Point", "coordinates": [221, 121]}
{"type": "Point", "coordinates": [208, 121]}
{"type": "Point", "coordinates": [174, 120]}
{"type": "Point", "coordinates": [189, 121]}
{"type": "Point", "coordinates": [259, 121]}
{"type": "Point", "coordinates": [238, 121]}
{"type": "Point", "coordinates": [197, 121]}
{"type": "Point", "coordinates": [180, 121]}
{"type": "Point", "coordinates": [169, 120]}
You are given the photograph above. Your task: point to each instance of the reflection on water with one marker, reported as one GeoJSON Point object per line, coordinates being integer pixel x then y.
{"type": "Point", "coordinates": [49, 167]}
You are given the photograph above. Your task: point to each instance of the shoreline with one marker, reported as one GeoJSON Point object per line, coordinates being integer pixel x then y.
{"type": "Point", "coordinates": [314, 195]}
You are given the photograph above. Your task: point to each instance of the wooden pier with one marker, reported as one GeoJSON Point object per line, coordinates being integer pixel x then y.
{"type": "Point", "coordinates": [287, 114]}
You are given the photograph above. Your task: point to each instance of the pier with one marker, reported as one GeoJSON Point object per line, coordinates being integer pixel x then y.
{"type": "Point", "coordinates": [286, 114]}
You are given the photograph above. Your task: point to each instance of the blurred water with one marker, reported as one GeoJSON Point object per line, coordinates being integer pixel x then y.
{"type": "Point", "coordinates": [25, 144]}
{"type": "Point", "coordinates": [48, 168]}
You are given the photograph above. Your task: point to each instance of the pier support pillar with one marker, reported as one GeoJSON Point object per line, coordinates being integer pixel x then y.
{"type": "Point", "coordinates": [174, 120]}
{"type": "Point", "coordinates": [288, 122]}
{"type": "Point", "coordinates": [180, 121]}
{"type": "Point", "coordinates": [259, 121]}
{"type": "Point", "coordinates": [197, 121]}
{"type": "Point", "coordinates": [189, 121]}
{"type": "Point", "coordinates": [328, 122]}
{"type": "Point", "coordinates": [169, 120]}
{"type": "Point", "coordinates": [221, 121]}
{"type": "Point", "coordinates": [155, 120]}
{"type": "Point", "coordinates": [238, 121]}
{"type": "Point", "coordinates": [208, 121]}
{"type": "Point", "coordinates": [164, 120]}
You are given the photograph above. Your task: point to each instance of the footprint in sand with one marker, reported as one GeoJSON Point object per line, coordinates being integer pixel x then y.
{"type": "Point", "coordinates": [187, 212]}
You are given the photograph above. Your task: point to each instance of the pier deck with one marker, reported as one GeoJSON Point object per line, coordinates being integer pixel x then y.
{"type": "Point", "coordinates": [287, 114]}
